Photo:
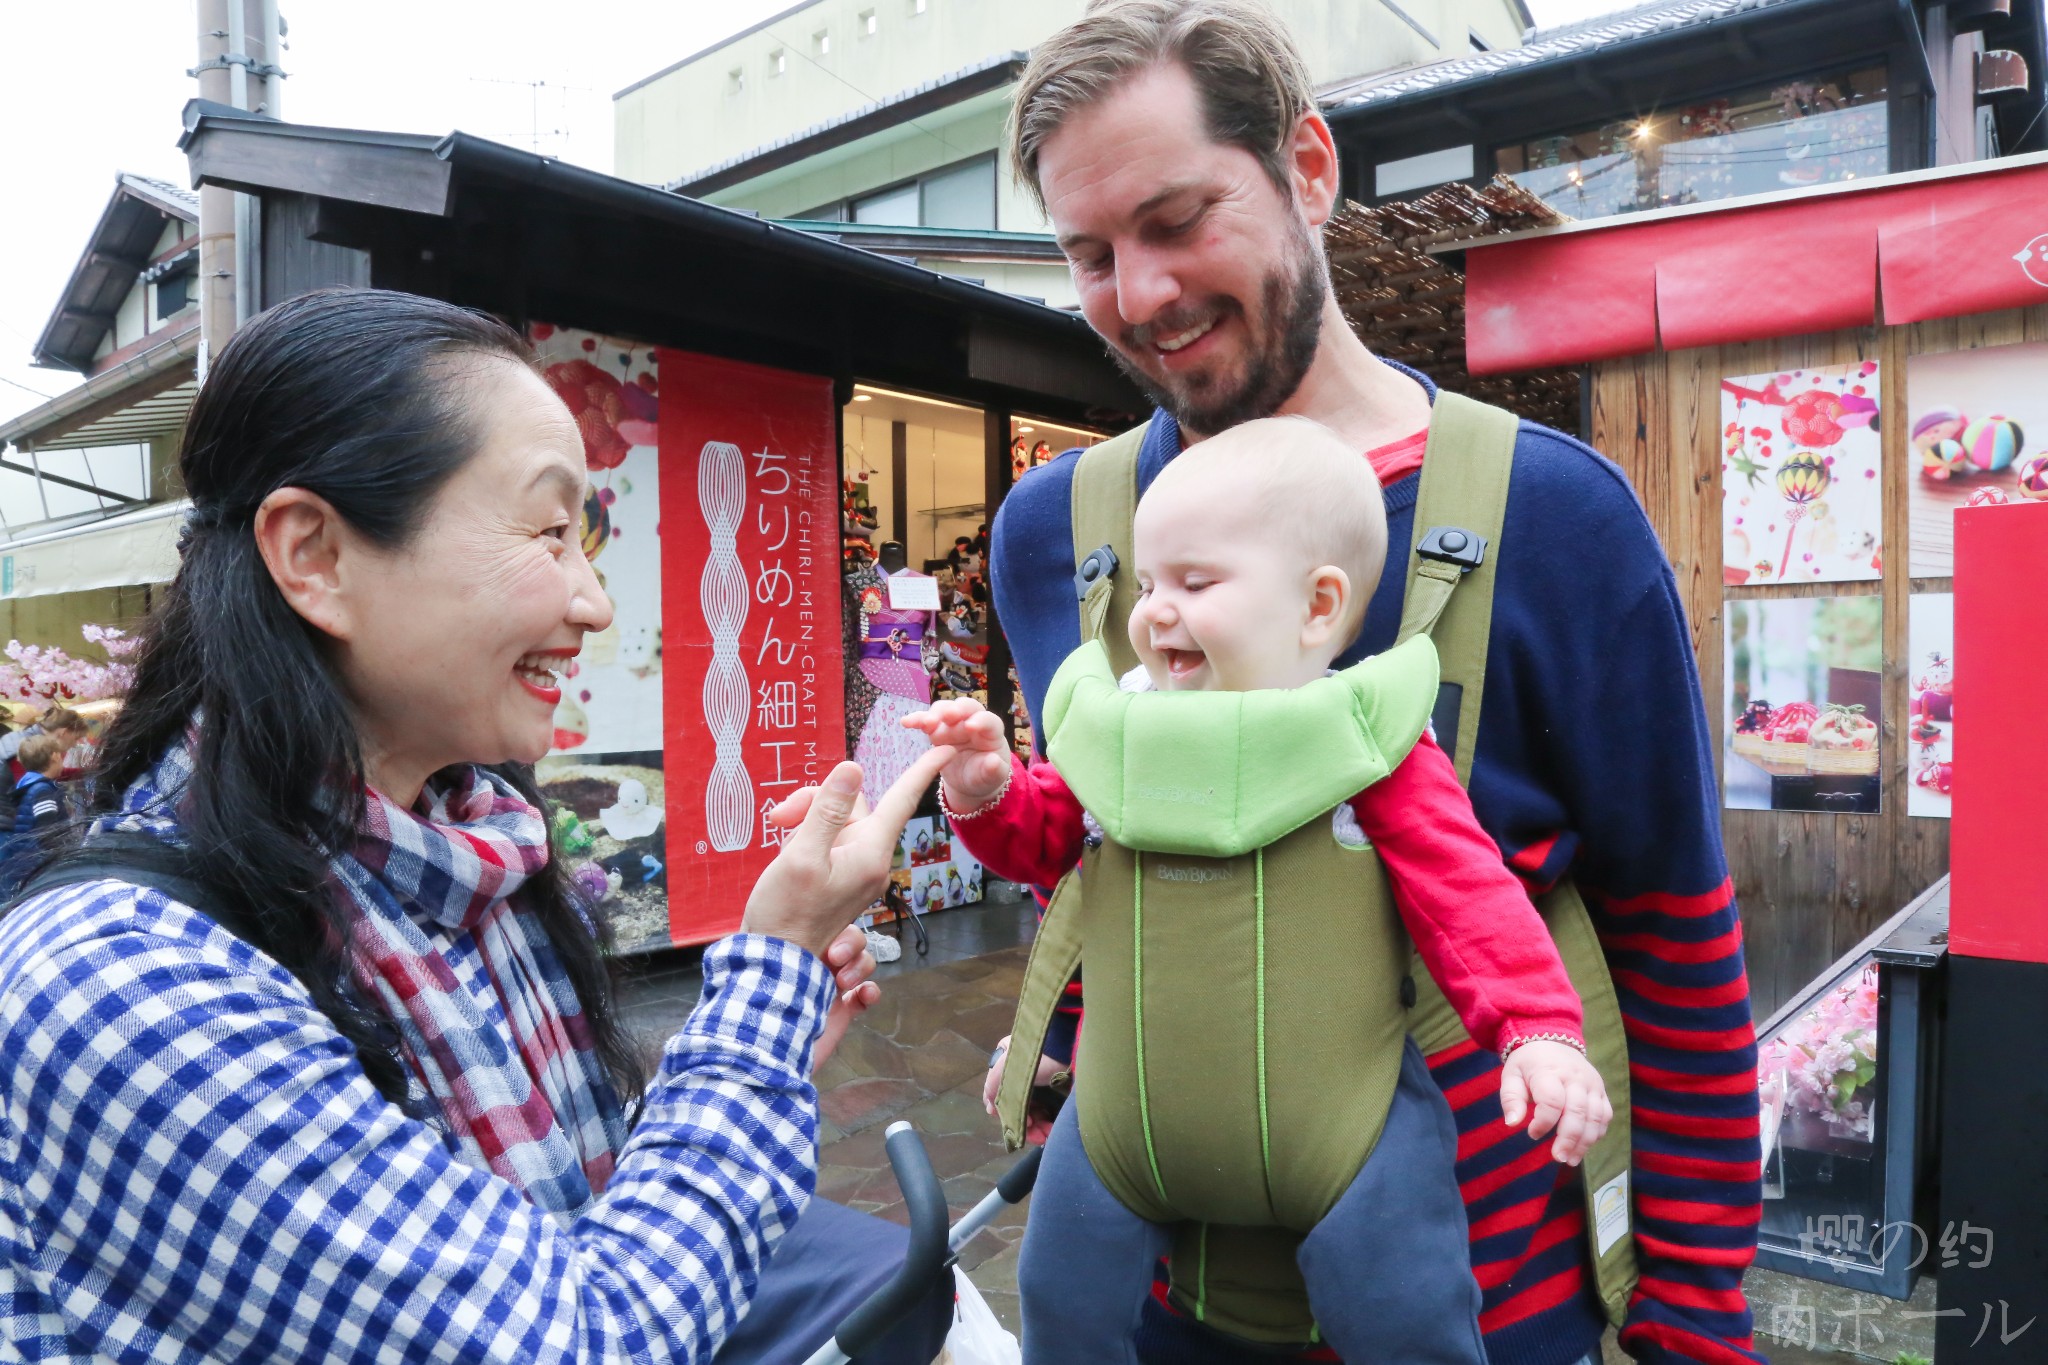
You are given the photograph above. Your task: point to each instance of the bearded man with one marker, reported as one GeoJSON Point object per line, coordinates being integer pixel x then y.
{"type": "Point", "coordinates": [1176, 148]}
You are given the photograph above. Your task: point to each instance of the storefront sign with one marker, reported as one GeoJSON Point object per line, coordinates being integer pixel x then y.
{"type": "Point", "coordinates": [750, 577]}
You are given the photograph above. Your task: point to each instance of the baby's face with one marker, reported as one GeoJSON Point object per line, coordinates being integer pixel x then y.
{"type": "Point", "coordinates": [1218, 612]}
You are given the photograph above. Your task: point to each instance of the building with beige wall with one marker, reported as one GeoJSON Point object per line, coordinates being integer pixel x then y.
{"type": "Point", "coordinates": [890, 112]}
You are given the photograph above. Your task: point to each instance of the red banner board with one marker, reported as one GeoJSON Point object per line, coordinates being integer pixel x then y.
{"type": "Point", "coordinates": [1998, 889]}
{"type": "Point", "coordinates": [753, 697]}
{"type": "Point", "coordinates": [1963, 244]}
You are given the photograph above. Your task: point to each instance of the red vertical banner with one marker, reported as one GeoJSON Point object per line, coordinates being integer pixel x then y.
{"type": "Point", "coordinates": [753, 700]}
{"type": "Point", "coordinates": [1998, 891]}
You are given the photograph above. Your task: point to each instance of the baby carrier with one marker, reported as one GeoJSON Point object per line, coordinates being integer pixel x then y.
{"type": "Point", "coordinates": [1249, 982]}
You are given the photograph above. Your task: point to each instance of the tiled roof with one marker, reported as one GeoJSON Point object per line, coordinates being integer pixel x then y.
{"type": "Point", "coordinates": [1544, 45]}
{"type": "Point", "coordinates": [176, 195]}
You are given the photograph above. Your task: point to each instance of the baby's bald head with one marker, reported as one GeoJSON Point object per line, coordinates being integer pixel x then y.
{"type": "Point", "coordinates": [1291, 481]}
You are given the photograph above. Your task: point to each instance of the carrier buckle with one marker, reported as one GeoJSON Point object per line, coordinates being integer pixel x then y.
{"type": "Point", "coordinates": [1454, 545]}
{"type": "Point", "coordinates": [1101, 563]}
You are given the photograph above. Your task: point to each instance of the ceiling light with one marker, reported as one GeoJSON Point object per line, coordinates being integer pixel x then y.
{"type": "Point", "coordinates": [863, 398]}
{"type": "Point", "coordinates": [1023, 429]}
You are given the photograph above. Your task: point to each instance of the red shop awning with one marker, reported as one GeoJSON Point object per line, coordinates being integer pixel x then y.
{"type": "Point", "coordinates": [1940, 244]}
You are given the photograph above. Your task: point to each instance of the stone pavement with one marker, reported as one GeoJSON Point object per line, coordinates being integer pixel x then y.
{"type": "Point", "coordinates": [920, 1054]}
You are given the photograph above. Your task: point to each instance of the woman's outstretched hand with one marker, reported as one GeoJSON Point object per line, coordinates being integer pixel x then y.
{"type": "Point", "coordinates": [835, 861]}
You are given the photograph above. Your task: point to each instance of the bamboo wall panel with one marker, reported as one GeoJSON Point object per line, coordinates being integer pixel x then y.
{"type": "Point", "coordinates": [1809, 885]}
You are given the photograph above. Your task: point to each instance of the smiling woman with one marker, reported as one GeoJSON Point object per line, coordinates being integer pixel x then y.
{"type": "Point", "coordinates": [312, 1000]}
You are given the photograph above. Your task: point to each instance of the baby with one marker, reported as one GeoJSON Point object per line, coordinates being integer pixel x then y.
{"type": "Point", "coordinates": [1256, 553]}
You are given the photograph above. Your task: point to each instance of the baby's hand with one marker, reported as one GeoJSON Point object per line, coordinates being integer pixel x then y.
{"type": "Point", "coordinates": [1565, 1092]}
{"type": "Point", "coordinates": [981, 759]}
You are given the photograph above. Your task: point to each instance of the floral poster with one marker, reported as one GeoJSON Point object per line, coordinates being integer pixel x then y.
{"type": "Point", "coordinates": [1977, 423]}
{"type": "Point", "coordinates": [605, 772]}
{"type": "Point", "coordinates": [1930, 727]}
{"type": "Point", "coordinates": [1805, 696]}
{"type": "Point", "coordinates": [1801, 486]}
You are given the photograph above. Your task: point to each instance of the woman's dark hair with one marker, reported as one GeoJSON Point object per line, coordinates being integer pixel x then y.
{"type": "Point", "coordinates": [356, 395]}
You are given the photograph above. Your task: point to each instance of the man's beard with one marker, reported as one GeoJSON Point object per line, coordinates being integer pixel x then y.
{"type": "Point", "coordinates": [1292, 314]}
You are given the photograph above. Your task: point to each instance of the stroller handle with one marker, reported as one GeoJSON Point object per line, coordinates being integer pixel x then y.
{"type": "Point", "coordinates": [1013, 1188]}
{"type": "Point", "coordinates": [926, 1203]}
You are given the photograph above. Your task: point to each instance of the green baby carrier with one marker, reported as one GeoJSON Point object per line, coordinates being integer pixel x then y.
{"type": "Point", "coordinates": [1249, 980]}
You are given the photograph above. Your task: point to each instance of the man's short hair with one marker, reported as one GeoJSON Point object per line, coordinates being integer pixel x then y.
{"type": "Point", "coordinates": [40, 751]}
{"type": "Point", "coordinates": [1253, 85]}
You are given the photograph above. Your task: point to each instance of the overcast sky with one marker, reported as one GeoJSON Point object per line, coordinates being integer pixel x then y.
{"type": "Point", "coordinates": [96, 88]}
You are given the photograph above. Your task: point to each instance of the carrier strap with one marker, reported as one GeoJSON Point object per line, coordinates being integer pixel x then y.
{"type": "Point", "coordinates": [1458, 516]}
{"type": "Point", "coordinates": [1055, 957]}
{"type": "Point", "coordinates": [1104, 503]}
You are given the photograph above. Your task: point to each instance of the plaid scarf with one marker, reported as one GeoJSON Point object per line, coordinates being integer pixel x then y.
{"type": "Point", "coordinates": [527, 1099]}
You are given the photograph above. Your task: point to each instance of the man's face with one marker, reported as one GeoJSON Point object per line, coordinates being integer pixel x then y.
{"type": "Point", "coordinates": [1199, 271]}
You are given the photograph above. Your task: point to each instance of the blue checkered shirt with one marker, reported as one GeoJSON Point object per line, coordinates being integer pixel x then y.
{"type": "Point", "coordinates": [193, 1166]}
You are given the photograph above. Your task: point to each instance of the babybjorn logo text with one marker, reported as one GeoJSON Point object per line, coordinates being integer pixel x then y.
{"type": "Point", "coordinates": [1169, 872]}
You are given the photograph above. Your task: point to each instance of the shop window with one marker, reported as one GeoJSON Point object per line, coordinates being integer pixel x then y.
{"type": "Point", "coordinates": [1813, 131]}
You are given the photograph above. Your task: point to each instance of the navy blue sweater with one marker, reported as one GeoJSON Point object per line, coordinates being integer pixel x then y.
{"type": "Point", "coordinates": [1593, 761]}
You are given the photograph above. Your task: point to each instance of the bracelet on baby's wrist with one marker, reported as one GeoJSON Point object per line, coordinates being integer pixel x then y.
{"type": "Point", "coordinates": [956, 816]}
{"type": "Point", "coordinates": [1577, 1045]}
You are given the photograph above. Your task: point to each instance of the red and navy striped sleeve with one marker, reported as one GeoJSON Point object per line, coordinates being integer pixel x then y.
{"type": "Point", "coordinates": [1593, 681]}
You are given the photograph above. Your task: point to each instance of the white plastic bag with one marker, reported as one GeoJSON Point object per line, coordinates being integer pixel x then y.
{"type": "Point", "coordinates": [976, 1338]}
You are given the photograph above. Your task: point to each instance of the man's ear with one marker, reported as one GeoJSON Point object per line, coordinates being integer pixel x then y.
{"type": "Point", "coordinates": [301, 538]}
{"type": "Point", "coordinates": [1329, 594]}
{"type": "Point", "coordinates": [1312, 166]}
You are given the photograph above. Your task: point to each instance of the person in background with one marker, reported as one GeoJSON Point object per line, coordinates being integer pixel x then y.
{"type": "Point", "coordinates": [60, 720]}
{"type": "Point", "coordinates": [39, 807]}
{"type": "Point", "coordinates": [38, 801]}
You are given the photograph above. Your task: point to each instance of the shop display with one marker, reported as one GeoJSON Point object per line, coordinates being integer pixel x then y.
{"type": "Point", "coordinates": [1801, 485]}
{"type": "Point", "coordinates": [1972, 416]}
{"type": "Point", "coordinates": [893, 645]}
{"type": "Point", "coordinates": [1804, 685]}
{"type": "Point", "coordinates": [1845, 1081]}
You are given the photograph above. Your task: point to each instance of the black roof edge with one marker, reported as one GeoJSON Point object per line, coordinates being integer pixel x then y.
{"type": "Point", "coordinates": [1612, 51]}
{"type": "Point", "coordinates": [197, 112]}
{"type": "Point", "coordinates": [465, 151]}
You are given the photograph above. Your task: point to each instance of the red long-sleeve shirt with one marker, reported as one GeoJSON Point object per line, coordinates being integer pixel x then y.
{"type": "Point", "coordinates": [1472, 920]}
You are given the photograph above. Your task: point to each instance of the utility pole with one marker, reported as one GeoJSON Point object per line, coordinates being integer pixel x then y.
{"type": "Point", "coordinates": [240, 42]}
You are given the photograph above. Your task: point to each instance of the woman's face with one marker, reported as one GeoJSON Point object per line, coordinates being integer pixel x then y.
{"type": "Point", "coordinates": [464, 631]}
